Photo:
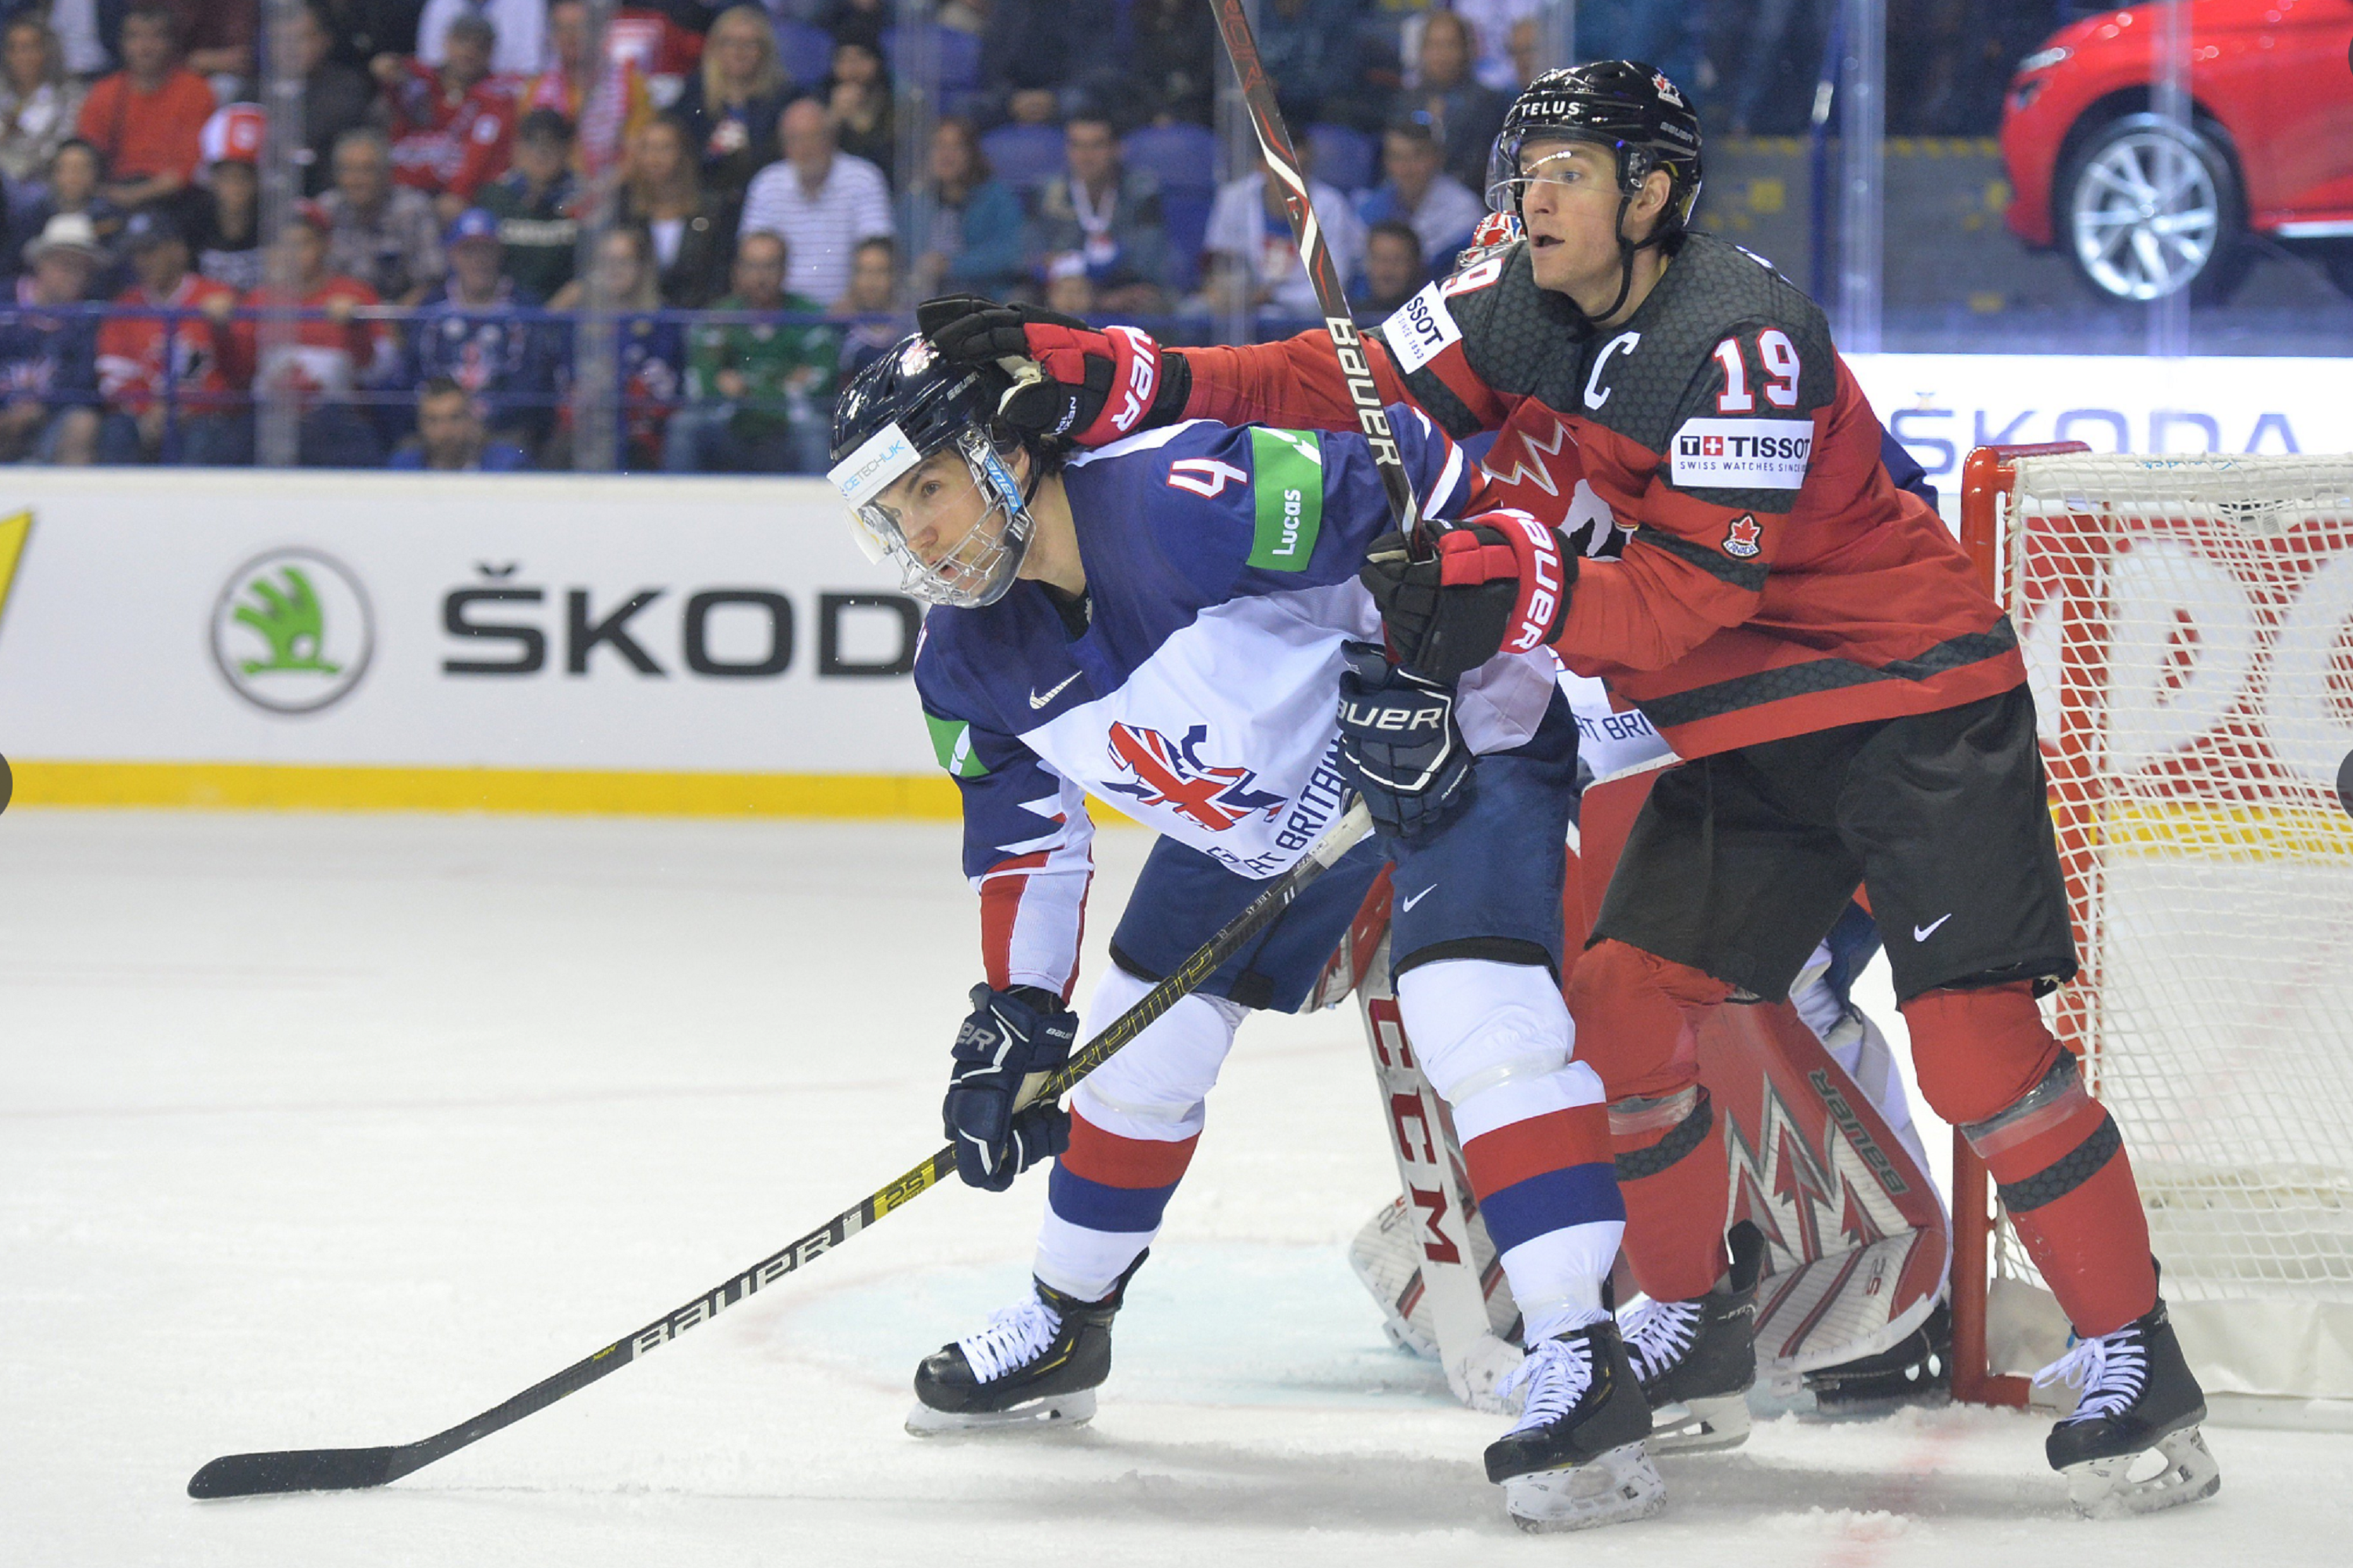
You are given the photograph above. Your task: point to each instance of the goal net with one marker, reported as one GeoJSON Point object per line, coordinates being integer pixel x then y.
{"type": "Point", "coordinates": [2188, 624]}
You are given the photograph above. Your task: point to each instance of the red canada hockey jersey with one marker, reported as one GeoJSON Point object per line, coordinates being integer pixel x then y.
{"type": "Point", "coordinates": [1775, 582]}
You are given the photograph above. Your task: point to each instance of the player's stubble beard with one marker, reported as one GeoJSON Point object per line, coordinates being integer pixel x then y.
{"type": "Point", "coordinates": [1584, 262]}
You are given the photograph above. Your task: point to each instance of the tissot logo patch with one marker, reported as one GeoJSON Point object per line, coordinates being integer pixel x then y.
{"type": "Point", "coordinates": [1742, 454]}
{"type": "Point", "coordinates": [1420, 328]}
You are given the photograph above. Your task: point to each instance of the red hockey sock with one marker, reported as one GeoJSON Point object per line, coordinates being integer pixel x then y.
{"type": "Point", "coordinates": [1634, 1014]}
{"type": "Point", "coordinates": [2053, 1150]}
{"type": "Point", "coordinates": [1674, 1176]}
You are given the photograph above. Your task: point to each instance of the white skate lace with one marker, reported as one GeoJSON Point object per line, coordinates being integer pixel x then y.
{"type": "Point", "coordinates": [1658, 1334]}
{"type": "Point", "coordinates": [1556, 1373]}
{"type": "Point", "coordinates": [2110, 1368]}
{"type": "Point", "coordinates": [1013, 1337]}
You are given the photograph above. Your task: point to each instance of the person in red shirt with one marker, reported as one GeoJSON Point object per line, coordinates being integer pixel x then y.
{"type": "Point", "coordinates": [148, 117]}
{"type": "Point", "coordinates": [452, 129]}
{"type": "Point", "coordinates": [180, 402]}
{"type": "Point", "coordinates": [327, 358]}
{"type": "Point", "coordinates": [1851, 702]}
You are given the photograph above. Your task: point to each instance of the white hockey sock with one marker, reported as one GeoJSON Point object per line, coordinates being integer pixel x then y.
{"type": "Point", "coordinates": [1139, 1113]}
{"type": "Point", "coordinates": [1495, 1039]}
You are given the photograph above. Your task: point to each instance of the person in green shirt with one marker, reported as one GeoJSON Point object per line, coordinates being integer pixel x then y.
{"type": "Point", "coordinates": [760, 395]}
{"type": "Point", "coordinates": [533, 201]}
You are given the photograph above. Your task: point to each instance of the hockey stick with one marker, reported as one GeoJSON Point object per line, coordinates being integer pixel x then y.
{"type": "Point", "coordinates": [1282, 160]}
{"type": "Point", "coordinates": [1458, 1304]}
{"type": "Point", "coordinates": [344, 1469]}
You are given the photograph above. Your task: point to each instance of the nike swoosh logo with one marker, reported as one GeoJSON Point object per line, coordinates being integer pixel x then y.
{"type": "Point", "coordinates": [1922, 933]}
{"type": "Point", "coordinates": [1037, 702]}
{"type": "Point", "coordinates": [1405, 905]}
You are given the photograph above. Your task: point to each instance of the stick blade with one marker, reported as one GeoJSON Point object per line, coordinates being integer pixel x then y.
{"type": "Point", "coordinates": [296, 1470]}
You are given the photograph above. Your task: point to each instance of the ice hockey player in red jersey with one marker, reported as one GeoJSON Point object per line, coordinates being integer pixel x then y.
{"type": "Point", "coordinates": [1851, 705]}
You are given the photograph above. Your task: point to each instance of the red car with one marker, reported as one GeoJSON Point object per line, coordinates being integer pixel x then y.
{"type": "Point", "coordinates": [2145, 205]}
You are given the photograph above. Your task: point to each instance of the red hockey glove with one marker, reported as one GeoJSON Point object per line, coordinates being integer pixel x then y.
{"type": "Point", "coordinates": [1100, 385]}
{"type": "Point", "coordinates": [1496, 583]}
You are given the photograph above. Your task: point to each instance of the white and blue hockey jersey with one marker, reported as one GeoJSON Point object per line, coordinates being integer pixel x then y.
{"type": "Point", "coordinates": [1221, 574]}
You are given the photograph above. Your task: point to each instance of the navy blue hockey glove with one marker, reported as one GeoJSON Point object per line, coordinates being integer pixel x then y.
{"type": "Point", "coordinates": [1010, 1036]}
{"type": "Point", "coordinates": [1399, 745]}
{"type": "Point", "coordinates": [1495, 583]}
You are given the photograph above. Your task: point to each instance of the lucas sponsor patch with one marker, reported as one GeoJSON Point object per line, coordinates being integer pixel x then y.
{"type": "Point", "coordinates": [1287, 498]}
{"type": "Point", "coordinates": [1742, 454]}
{"type": "Point", "coordinates": [1420, 328]}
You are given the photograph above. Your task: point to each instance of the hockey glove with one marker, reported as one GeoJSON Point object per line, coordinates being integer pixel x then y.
{"type": "Point", "coordinates": [1496, 583]}
{"type": "Point", "coordinates": [1010, 1036]}
{"type": "Point", "coordinates": [1098, 386]}
{"type": "Point", "coordinates": [1399, 745]}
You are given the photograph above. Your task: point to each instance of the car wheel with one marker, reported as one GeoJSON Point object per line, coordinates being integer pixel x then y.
{"type": "Point", "coordinates": [2148, 209]}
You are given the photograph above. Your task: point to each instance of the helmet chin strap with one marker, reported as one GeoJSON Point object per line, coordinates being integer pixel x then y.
{"type": "Point", "coordinates": [1626, 250]}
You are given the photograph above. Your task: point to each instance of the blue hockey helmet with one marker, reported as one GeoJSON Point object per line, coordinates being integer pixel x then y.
{"type": "Point", "coordinates": [904, 408]}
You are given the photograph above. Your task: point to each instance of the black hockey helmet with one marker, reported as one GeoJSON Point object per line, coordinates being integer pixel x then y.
{"type": "Point", "coordinates": [1625, 105]}
{"type": "Point", "coordinates": [906, 407]}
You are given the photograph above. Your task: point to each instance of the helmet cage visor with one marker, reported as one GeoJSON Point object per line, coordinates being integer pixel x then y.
{"type": "Point", "coordinates": [1507, 179]}
{"type": "Point", "coordinates": [980, 563]}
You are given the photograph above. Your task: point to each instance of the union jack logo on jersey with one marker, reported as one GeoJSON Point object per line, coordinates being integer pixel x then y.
{"type": "Point", "coordinates": [1171, 773]}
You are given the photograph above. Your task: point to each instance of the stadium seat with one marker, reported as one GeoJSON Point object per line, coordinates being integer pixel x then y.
{"type": "Point", "coordinates": [807, 51]}
{"type": "Point", "coordinates": [1344, 159]}
{"type": "Point", "coordinates": [957, 54]}
{"type": "Point", "coordinates": [1184, 157]}
{"type": "Point", "coordinates": [1186, 211]}
{"type": "Point", "coordinates": [1024, 156]}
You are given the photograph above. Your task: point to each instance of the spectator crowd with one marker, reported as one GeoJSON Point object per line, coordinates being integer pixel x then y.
{"type": "Point", "coordinates": [727, 185]}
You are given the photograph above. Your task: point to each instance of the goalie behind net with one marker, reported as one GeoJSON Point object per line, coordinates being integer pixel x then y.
{"type": "Point", "coordinates": [2188, 629]}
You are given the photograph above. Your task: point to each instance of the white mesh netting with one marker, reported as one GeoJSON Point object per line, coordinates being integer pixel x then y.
{"type": "Point", "coordinates": [2189, 627]}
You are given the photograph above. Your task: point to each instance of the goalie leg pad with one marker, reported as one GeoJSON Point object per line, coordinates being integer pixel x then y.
{"type": "Point", "coordinates": [2052, 1149]}
{"type": "Point", "coordinates": [1494, 1040]}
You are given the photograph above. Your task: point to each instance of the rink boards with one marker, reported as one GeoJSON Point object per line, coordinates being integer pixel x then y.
{"type": "Point", "coordinates": [652, 645]}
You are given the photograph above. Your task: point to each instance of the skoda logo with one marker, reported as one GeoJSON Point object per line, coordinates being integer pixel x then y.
{"type": "Point", "coordinates": [291, 632]}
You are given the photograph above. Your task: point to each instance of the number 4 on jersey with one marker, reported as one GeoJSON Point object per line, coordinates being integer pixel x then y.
{"type": "Point", "coordinates": [1779, 357]}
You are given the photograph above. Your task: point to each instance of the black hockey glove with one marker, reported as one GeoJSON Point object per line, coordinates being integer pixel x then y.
{"type": "Point", "coordinates": [1495, 583]}
{"type": "Point", "coordinates": [1098, 386]}
{"type": "Point", "coordinates": [1399, 745]}
{"type": "Point", "coordinates": [1010, 1036]}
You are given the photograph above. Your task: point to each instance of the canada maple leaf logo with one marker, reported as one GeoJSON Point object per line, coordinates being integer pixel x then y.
{"type": "Point", "coordinates": [1744, 538]}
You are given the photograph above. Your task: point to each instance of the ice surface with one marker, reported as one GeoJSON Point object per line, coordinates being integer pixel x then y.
{"type": "Point", "coordinates": [321, 1130]}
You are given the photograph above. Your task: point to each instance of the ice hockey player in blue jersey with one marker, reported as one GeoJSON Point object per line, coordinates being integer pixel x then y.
{"type": "Point", "coordinates": [1170, 622]}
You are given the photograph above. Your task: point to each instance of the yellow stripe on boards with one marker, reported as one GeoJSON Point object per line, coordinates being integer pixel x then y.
{"type": "Point", "coordinates": [13, 533]}
{"type": "Point", "coordinates": [287, 787]}
{"type": "Point", "coordinates": [236, 786]}
{"type": "Point", "coordinates": [2158, 830]}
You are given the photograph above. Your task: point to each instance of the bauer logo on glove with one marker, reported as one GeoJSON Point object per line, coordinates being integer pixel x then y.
{"type": "Point", "coordinates": [1399, 745]}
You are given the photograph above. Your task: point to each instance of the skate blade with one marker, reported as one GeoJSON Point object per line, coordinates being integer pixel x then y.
{"type": "Point", "coordinates": [2107, 1488]}
{"type": "Point", "coordinates": [1700, 1425]}
{"type": "Point", "coordinates": [1037, 1415]}
{"type": "Point", "coordinates": [1619, 1486]}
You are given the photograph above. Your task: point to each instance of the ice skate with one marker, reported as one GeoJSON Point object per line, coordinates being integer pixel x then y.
{"type": "Point", "coordinates": [1697, 1358]}
{"type": "Point", "coordinates": [1916, 1370]}
{"type": "Point", "coordinates": [1575, 1460]}
{"type": "Point", "coordinates": [1037, 1365]}
{"type": "Point", "coordinates": [2132, 1445]}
